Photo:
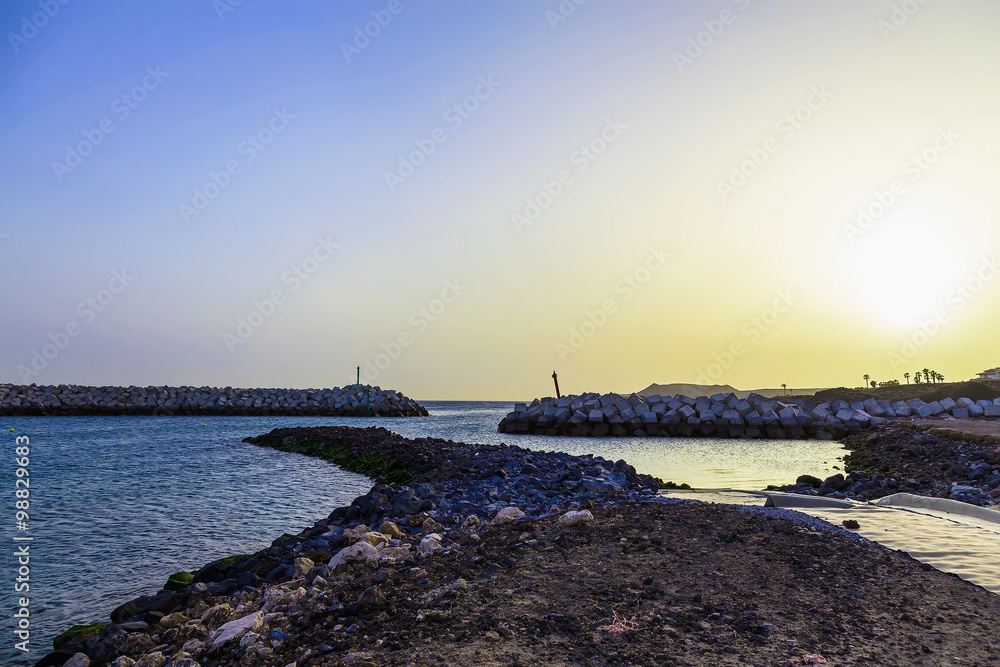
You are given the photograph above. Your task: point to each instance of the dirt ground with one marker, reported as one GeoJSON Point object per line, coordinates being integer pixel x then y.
{"type": "Point", "coordinates": [693, 584]}
{"type": "Point", "coordinates": [961, 426]}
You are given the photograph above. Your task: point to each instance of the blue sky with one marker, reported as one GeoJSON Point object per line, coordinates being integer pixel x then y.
{"type": "Point", "coordinates": [224, 77]}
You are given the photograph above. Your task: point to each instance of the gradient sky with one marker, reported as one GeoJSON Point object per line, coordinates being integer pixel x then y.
{"type": "Point", "coordinates": [710, 232]}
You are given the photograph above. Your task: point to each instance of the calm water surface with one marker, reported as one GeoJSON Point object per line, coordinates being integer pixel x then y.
{"type": "Point", "coordinates": [120, 503]}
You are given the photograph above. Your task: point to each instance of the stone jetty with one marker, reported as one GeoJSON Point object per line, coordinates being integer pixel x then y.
{"type": "Point", "coordinates": [253, 609]}
{"type": "Point", "coordinates": [350, 401]}
{"type": "Point", "coordinates": [723, 416]}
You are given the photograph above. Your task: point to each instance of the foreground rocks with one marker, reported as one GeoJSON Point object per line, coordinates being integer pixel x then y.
{"type": "Point", "coordinates": [912, 458]}
{"type": "Point", "coordinates": [641, 583]}
{"type": "Point", "coordinates": [354, 400]}
{"type": "Point", "coordinates": [723, 416]}
{"type": "Point", "coordinates": [452, 492]}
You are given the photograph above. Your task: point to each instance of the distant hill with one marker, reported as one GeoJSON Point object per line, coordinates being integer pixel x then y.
{"type": "Point", "coordinates": [709, 389]}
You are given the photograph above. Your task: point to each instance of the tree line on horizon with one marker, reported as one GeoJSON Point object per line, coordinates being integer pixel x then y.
{"type": "Point", "coordinates": [923, 376]}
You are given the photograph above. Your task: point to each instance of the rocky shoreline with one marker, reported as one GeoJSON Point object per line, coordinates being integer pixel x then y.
{"type": "Point", "coordinates": [492, 554]}
{"type": "Point", "coordinates": [723, 416]}
{"type": "Point", "coordinates": [78, 400]}
{"type": "Point", "coordinates": [910, 458]}
{"type": "Point", "coordinates": [453, 490]}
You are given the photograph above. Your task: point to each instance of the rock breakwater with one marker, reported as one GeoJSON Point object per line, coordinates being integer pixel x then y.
{"type": "Point", "coordinates": [723, 416]}
{"type": "Point", "coordinates": [350, 401]}
{"type": "Point", "coordinates": [255, 609]}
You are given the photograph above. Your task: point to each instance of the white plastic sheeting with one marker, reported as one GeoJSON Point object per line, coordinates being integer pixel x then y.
{"type": "Point", "coordinates": [950, 536]}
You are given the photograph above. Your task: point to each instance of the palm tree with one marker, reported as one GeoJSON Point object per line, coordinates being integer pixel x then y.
{"type": "Point", "coordinates": [916, 378]}
{"type": "Point", "coordinates": [866, 379]}
{"type": "Point", "coordinates": [783, 388]}
{"type": "Point", "coordinates": [873, 384]}
{"type": "Point", "coordinates": [927, 374]}
{"type": "Point", "coordinates": [940, 378]}
{"type": "Point", "coordinates": [907, 376]}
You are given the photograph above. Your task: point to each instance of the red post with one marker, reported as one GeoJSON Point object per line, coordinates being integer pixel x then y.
{"type": "Point", "coordinates": [555, 378]}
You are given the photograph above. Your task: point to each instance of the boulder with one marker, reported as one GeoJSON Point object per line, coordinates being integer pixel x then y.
{"type": "Point", "coordinates": [808, 480]}
{"type": "Point", "coordinates": [574, 518]}
{"type": "Point", "coordinates": [391, 530]}
{"type": "Point", "coordinates": [507, 515]}
{"type": "Point", "coordinates": [430, 544]}
{"type": "Point", "coordinates": [360, 552]}
{"type": "Point", "coordinates": [234, 630]}
{"type": "Point", "coordinates": [605, 487]}
{"type": "Point", "coordinates": [835, 482]}
{"type": "Point", "coordinates": [375, 539]}
{"type": "Point", "coordinates": [302, 566]}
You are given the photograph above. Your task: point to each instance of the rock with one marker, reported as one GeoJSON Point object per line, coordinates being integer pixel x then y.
{"type": "Point", "coordinates": [212, 612]}
{"type": "Point", "coordinates": [122, 661]}
{"type": "Point", "coordinates": [835, 482]}
{"type": "Point", "coordinates": [370, 595]}
{"type": "Point", "coordinates": [360, 552]}
{"type": "Point", "coordinates": [981, 471]}
{"type": "Point", "coordinates": [491, 636]}
{"type": "Point", "coordinates": [163, 602]}
{"type": "Point", "coordinates": [431, 526]}
{"type": "Point", "coordinates": [156, 659]}
{"type": "Point", "coordinates": [431, 544]}
{"type": "Point", "coordinates": [375, 539]}
{"type": "Point", "coordinates": [302, 566]}
{"type": "Point", "coordinates": [391, 555]}
{"type": "Point", "coordinates": [391, 530]}
{"type": "Point", "coordinates": [173, 620]}
{"type": "Point", "coordinates": [235, 630]}
{"type": "Point", "coordinates": [406, 502]}
{"type": "Point", "coordinates": [851, 524]}
{"type": "Point", "coordinates": [808, 480]}
{"type": "Point", "coordinates": [471, 522]}
{"type": "Point", "coordinates": [352, 535]}
{"type": "Point", "coordinates": [506, 515]}
{"type": "Point", "coordinates": [135, 626]}
{"type": "Point", "coordinates": [604, 487]}
{"type": "Point", "coordinates": [78, 660]}
{"type": "Point", "coordinates": [576, 518]}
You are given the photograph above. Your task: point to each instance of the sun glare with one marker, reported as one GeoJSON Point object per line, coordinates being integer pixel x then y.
{"type": "Point", "coordinates": [904, 270]}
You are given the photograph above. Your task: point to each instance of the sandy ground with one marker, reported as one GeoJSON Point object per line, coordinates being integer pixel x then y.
{"type": "Point", "coordinates": [698, 584]}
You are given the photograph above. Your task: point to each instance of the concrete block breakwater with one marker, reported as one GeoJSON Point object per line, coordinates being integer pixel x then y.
{"type": "Point", "coordinates": [723, 416]}
{"type": "Point", "coordinates": [351, 401]}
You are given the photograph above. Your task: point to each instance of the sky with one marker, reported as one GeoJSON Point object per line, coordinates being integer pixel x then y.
{"type": "Point", "coordinates": [461, 198]}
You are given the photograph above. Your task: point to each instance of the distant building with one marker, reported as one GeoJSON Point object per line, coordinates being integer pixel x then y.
{"type": "Point", "coordinates": [990, 374]}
